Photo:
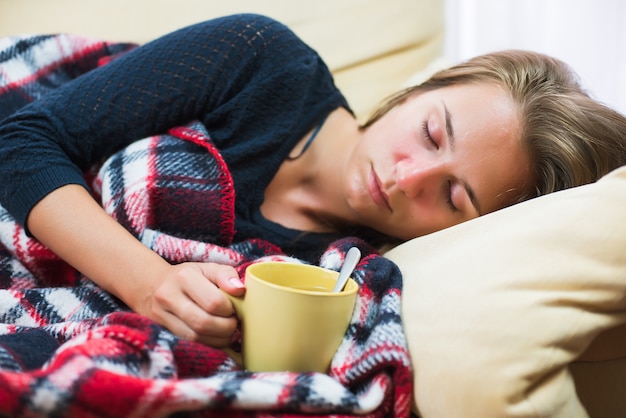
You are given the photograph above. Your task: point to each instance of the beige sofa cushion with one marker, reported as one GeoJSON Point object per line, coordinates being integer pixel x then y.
{"type": "Point", "coordinates": [497, 309]}
{"type": "Point", "coordinates": [373, 46]}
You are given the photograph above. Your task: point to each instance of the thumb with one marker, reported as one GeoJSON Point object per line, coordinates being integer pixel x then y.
{"type": "Point", "coordinates": [224, 277]}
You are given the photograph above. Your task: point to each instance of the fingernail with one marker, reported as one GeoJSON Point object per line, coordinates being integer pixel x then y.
{"type": "Point", "coordinates": [236, 281]}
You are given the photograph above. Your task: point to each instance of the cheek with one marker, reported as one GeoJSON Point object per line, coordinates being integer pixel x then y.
{"type": "Point", "coordinates": [394, 128]}
{"type": "Point", "coordinates": [355, 184]}
{"type": "Point", "coordinates": [351, 176]}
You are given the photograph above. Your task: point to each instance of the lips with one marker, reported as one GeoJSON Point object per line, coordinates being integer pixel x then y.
{"type": "Point", "coordinates": [376, 192]}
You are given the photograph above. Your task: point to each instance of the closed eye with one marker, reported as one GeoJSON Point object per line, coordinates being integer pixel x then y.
{"type": "Point", "coordinates": [449, 201]}
{"type": "Point", "coordinates": [428, 136]}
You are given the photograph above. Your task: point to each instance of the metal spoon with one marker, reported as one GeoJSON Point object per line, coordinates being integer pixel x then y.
{"type": "Point", "coordinates": [352, 258]}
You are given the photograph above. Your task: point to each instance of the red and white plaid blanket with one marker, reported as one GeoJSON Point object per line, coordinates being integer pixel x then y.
{"type": "Point", "coordinates": [69, 349]}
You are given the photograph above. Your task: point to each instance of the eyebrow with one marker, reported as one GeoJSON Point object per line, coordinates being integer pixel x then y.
{"type": "Point", "coordinates": [451, 139]}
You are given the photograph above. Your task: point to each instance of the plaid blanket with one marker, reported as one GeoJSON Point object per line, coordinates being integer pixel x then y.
{"type": "Point", "coordinates": [68, 348]}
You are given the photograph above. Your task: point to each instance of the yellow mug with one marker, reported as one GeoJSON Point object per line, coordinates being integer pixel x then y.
{"type": "Point", "coordinates": [290, 318]}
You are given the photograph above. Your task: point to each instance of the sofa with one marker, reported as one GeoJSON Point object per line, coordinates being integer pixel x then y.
{"type": "Point", "coordinates": [372, 47]}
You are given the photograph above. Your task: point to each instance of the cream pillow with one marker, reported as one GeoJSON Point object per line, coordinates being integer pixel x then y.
{"type": "Point", "coordinates": [496, 309]}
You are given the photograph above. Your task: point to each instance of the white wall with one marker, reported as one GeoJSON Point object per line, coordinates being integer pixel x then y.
{"type": "Point", "coordinates": [590, 35]}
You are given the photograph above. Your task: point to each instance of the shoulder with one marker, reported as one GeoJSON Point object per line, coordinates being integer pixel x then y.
{"type": "Point", "coordinates": [247, 31]}
{"type": "Point", "coordinates": [250, 24]}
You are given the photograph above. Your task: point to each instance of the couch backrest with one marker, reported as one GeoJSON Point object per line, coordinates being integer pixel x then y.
{"type": "Point", "coordinates": [373, 46]}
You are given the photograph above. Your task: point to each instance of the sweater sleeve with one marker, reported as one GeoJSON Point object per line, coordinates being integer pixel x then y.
{"type": "Point", "coordinates": [190, 74]}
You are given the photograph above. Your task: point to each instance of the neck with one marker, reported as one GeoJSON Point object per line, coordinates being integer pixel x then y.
{"type": "Point", "coordinates": [306, 193]}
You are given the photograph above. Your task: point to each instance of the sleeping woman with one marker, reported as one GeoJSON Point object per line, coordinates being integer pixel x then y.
{"type": "Point", "coordinates": [477, 137]}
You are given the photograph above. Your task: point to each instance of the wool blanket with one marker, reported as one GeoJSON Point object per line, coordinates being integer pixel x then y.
{"type": "Point", "coordinates": [70, 349]}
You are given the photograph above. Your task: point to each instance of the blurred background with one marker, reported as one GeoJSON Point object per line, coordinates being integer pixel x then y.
{"type": "Point", "coordinates": [374, 46]}
{"type": "Point", "coordinates": [590, 35]}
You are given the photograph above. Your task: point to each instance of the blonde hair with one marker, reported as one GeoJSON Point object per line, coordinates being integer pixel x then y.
{"type": "Point", "coordinates": [571, 139]}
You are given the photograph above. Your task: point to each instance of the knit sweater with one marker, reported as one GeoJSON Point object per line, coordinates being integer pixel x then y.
{"type": "Point", "coordinates": [254, 85]}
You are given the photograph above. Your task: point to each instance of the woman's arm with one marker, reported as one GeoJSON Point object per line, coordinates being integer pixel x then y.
{"type": "Point", "coordinates": [184, 298]}
{"type": "Point", "coordinates": [210, 72]}
{"type": "Point", "coordinates": [204, 72]}
{"type": "Point", "coordinates": [46, 146]}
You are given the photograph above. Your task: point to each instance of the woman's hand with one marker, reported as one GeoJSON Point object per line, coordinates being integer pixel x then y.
{"type": "Point", "coordinates": [188, 301]}
{"type": "Point", "coordinates": [185, 298]}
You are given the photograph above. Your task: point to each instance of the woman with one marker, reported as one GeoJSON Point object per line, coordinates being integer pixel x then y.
{"type": "Point", "coordinates": [472, 140]}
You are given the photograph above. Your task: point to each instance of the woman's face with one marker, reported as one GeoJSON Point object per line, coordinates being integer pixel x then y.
{"type": "Point", "coordinates": [439, 158]}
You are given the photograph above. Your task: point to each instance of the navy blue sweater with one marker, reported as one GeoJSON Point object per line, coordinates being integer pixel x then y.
{"type": "Point", "coordinates": [256, 87]}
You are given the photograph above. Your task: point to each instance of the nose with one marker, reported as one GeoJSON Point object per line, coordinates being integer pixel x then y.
{"type": "Point", "coordinates": [421, 178]}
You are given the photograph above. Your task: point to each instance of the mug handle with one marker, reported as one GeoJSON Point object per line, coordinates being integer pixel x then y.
{"type": "Point", "coordinates": [238, 304]}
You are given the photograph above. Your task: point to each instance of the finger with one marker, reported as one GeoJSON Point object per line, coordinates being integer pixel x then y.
{"type": "Point", "coordinates": [224, 277]}
{"type": "Point", "coordinates": [210, 294]}
{"type": "Point", "coordinates": [213, 318]}
{"type": "Point", "coordinates": [181, 329]}
{"type": "Point", "coordinates": [197, 282]}
{"type": "Point", "coordinates": [193, 323]}
{"type": "Point", "coordinates": [209, 299]}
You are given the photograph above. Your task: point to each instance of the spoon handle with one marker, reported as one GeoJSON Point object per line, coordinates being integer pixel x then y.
{"type": "Point", "coordinates": [352, 258]}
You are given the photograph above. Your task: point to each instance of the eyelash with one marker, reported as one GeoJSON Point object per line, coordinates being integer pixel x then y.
{"type": "Point", "coordinates": [449, 184]}
{"type": "Point", "coordinates": [427, 134]}
{"type": "Point", "coordinates": [449, 197]}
